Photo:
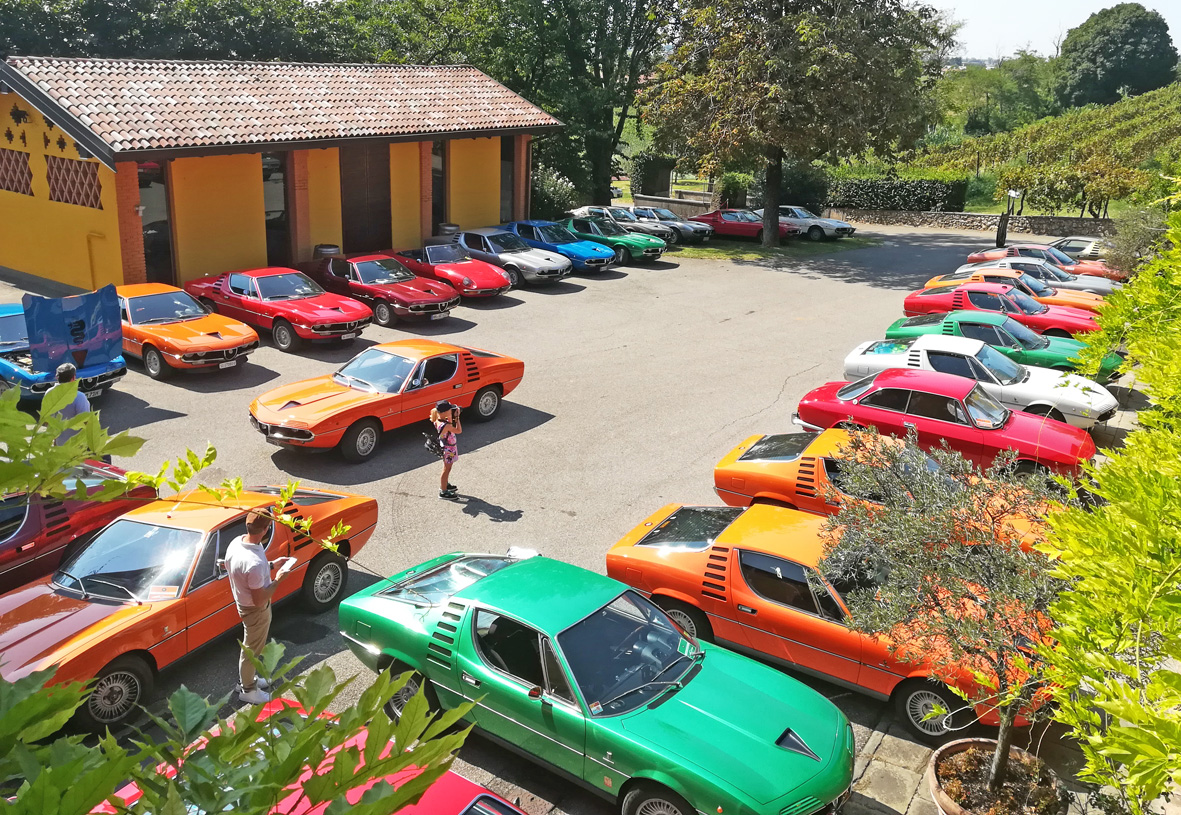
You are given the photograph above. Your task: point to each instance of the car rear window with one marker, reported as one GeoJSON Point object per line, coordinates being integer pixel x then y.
{"type": "Point", "coordinates": [890, 346]}
{"type": "Point", "coordinates": [780, 447]}
{"type": "Point", "coordinates": [924, 319]}
{"type": "Point", "coordinates": [855, 389]}
{"type": "Point", "coordinates": [437, 585]}
{"type": "Point", "coordinates": [692, 527]}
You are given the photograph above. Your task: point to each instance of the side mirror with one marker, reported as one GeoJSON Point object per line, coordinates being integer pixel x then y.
{"type": "Point", "coordinates": [535, 692]}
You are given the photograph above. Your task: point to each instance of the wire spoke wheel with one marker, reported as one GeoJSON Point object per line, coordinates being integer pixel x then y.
{"type": "Point", "coordinates": [114, 695]}
{"type": "Point", "coordinates": [922, 702]}
{"type": "Point", "coordinates": [658, 806]}
{"type": "Point", "coordinates": [328, 582]}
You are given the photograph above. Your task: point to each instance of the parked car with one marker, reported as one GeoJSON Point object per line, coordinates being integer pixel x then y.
{"type": "Point", "coordinates": [1083, 248]}
{"type": "Point", "coordinates": [169, 330]}
{"type": "Point", "coordinates": [391, 290]}
{"type": "Point", "coordinates": [628, 246]}
{"type": "Point", "coordinates": [1060, 259]}
{"type": "Point", "coordinates": [1049, 274]}
{"type": "Point", "coordinates": [1006, 335]}
{"type": "Point", "coordinates": [1066, 397]}
{"type": "Point", "coordinates": [741, 223]}
{"type": "Point", "coordinates": [1024, 283]}
{"type": "Point", "coordinates": [624, 217]}
{"type": "Point", "coordinates": [763, 594]}
{"type": "Point", "coordinates": [578, 672]}
{"type": "Point", "coordinates": [520, 261]}
{"type": "Point", "coordinates": [815, 227]}
{"type": "Point", "coordinates": [1054, 321]}
{"type": "Point", "coordinates": [42, 333]}
{"type": "Point", "coordinates": [288, 303]}
{"type": "Point", "coordinates": [147, 590]}
{"type": "Point", "coordinates": [690, 231]}
{"type": "Point", "coordinates": [585, 256]}
{"type": "Point", "coordinates": [385, 386]}
{"type": "Point", "coordinates": [448, 262]}
{"type": "Point", "coordinates": [938, 407]}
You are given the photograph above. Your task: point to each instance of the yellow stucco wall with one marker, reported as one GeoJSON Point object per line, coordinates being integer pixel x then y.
{"type": "Point", "coordinates": [219, 222]}
{"type": "Point", "coordinates": [68, 243]}
{"type": "Point", "coordinates": [324, 223]}
{"type": "Point", "coordinates": [404, 195]}
{"type": "Point", "coordinates": [473, 182]}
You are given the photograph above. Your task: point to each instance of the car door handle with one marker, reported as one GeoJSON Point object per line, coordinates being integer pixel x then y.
{"type": "Point", "coordinates": [26, 547]}
{"type": "Point", "coordinates": [471, 680]}
{"type": "Point", "coordinates": [747, 609]}
{"type": "Point", "coordinates": [908, 424]}
{"type": "Point", "coordinates": [457, 387]}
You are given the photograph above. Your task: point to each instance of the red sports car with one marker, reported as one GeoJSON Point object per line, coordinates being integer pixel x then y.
{"type": "Point", "coordinates": [1053, 321]}
{"type": "Point", "coordinates": [289, 303]}
{"type": "Point", "coordinates": [947, 407]}
{"type": "Point", "coordinates": [741, 223]}
{"type": "Point", "coordinates": [35, 531]}
{"type": "Point", "coordinates": [1048, 253]}
{"type": "Point", "coordinates": [450, 263]}
{"type": "Point", "coordinates": [385, 285]}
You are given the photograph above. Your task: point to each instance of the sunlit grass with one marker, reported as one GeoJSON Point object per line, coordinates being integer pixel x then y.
{"type": "Point", "coordinates": [749, 250]}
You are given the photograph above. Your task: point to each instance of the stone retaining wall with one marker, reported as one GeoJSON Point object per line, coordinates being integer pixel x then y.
{"type": "Point", "coordinates": [680, 206]}
{"type": "Point", "coordinates": [1030, 224]}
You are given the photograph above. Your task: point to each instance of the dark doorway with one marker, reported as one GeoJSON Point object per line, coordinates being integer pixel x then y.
{"type": "Point", "coordinates": [157, 225]}
{"type": "Point", "coordinates": [438, 185]}
{"type": "Point", "coordinates": [274, 196]}
{"type": "Point", "coordinates": [365, 197]}
{"type": "Point", "coordinates": [508, 164]}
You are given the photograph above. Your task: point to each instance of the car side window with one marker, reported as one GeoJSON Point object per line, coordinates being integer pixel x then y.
{"type": "Point", "coordinates": [780, 581]}
{"type": "Point", "coordinates": [949, 363]}
{"type": "Point", "coordinates": [980, 373]}
{"type": "Point", "coordinates": [556, 682]}
{"type": "Point", "coordinates": [888, 399]}
{"type": "Point", "coordinates": [934, 406]}
{"type": "Point", "coordinates": [12, 515]}
{"type": "Point", "coordinates": [439, 369]}
{"type": "Point", "coordinates": [1006, 339]}
{"type": "Point", "coordinates": [241, 285]}
{"type": "Point", "coordinates": [527, 232]}
{"type": "Point", "coordinates": [985, 333]}
{"type": "Point", "coordinates": [510, 647]}
{"type": "Point", "coordinates": [338, 267]}
{"type": "Point", "coordinates": [984, 300]}
{"type": "Point", "coordinates": [829, 607]}
{"type": "Point", "coordinates": [581, 225]}
{"type": "Point", "coordinates": [729, 216]}
{"type": "Point", "coordinates": [215, 550]}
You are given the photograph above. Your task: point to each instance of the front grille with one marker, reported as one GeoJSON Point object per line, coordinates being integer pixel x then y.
{"type": "Point", "coordinates": [224, 355]}
{"type": "Point", "coordinates": [278, 431]}
{"type": "Point", "coordinates": [434, 308]}
{"type": "Point", "coordinates": [597, 261]}
{"type": "Point", "coordinates": [1107, 414]}
{"type": "Point", "coordinates": [102, 381]}
{"type": "Point", "coordinates": [844, 230]}
{"type": "Point", "coordinates": [653, 253]}
{"type": "Point", "coordinates": [486, 291]}
{"type": "Point", "coordinates": [340, 328]}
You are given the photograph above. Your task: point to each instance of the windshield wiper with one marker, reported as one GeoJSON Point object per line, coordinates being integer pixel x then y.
{"type": "Point", "coordinates": [130, 593]}
{"type": "Point", "coordinates": [357, 379]}
{"type": "Point", "coordinates": [158, 320]}
{"type": "Point", "coordinates": [81, 587]}
{"type": "Point", "coordinates": [650, 684]}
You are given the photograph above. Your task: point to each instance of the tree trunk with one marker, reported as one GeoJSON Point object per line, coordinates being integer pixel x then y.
{"type": "Point", "coordinates": [774, 166]}
{"type": "Point", "coordinates": [1000, 758]}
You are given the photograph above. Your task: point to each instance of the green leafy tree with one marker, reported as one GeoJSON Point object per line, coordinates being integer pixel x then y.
{"type": "Point", "coordinates": [1120, 51]}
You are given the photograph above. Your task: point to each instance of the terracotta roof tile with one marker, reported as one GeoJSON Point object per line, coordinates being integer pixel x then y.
{"type": "Point", "coordinates": [144, 104]}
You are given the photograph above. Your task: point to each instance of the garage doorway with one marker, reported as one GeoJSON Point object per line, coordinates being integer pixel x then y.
{"type": "Point", "coordinates": [365, 197]}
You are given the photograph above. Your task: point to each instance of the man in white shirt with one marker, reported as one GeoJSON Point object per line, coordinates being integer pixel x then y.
{"type": "Point", "coordinates": [249, 574]}
{"type": "Point", "coordinates": [66, 372]}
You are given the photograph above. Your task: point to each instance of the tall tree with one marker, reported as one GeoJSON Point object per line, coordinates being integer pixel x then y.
{"type": "Point", "coordinates": [1122, 50]}
{"type": "Point", "coordinates": [812, 78]}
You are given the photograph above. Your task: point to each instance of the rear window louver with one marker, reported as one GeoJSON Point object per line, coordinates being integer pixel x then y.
{"type": "Point", "coordinates": [790, 740]}
{"type": "Point", "coordinates": [714, 584]}
{"type": "Point", "coordinates": [441, 648]}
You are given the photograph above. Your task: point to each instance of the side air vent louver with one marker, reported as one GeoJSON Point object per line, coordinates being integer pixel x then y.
{"type": "Point", "coordinates": [914, 359]}
{"type": "Point", "coordinates": [949, 329]}
{"type": "Point", "coordinates": [298, 538]}
{"type": "Point", "coordinates": [714, 583]}
{"type": "Point", "coordinates": [473, 370]}
{"type": "Point", "coordinates": [56, 518]}
{"type": "Point", "coordinates": [441, 648]}
{"type": "Point", "coordinates": [806, 477]}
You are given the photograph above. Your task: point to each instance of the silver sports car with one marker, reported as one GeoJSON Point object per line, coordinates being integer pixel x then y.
{"type": "Point", "coordinates": [520, 261]}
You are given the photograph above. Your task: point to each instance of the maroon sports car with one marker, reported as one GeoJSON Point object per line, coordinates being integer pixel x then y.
{"type": "Point", "coordinates": [385, 285]}
{"type": "Point", "coordinates": [1053, 321]}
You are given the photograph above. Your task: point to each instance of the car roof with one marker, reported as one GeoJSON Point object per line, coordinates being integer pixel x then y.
{"type": "Point", "coordinates": [140, 289]}
{"type": "Point", "coordinates": [197, 509]}
{"type": "Point", "coordinates": [486, 230]}
{"type": "Point", "coordinates": [990, 317]}
{"type": "Point", "coordinates": [991, 288]}
{"type": "Point", "coordinates": [266, 271]}
{"type": "Point", "coordinates": [418, 348]}
{"type": "Point", "coordinates": [789, 533]}
{"type": "Point", "coordinates": [548, 594]}
{"type": "Point", "coordinates": [941, 342]}
{"type": "Point", "coordinates": [933, 381]}
{"type": "Point", "coordinates": [827, 442]}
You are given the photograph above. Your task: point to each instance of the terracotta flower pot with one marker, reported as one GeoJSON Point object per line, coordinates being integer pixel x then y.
{"type": "Point", "coordinates": [944, 802]}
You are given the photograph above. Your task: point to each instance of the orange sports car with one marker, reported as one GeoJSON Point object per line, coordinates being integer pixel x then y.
{"type": "Point", "coordinates": [749, 579]}
{"type": "Point", "coordinates": [385, 386]}
{"type": "Point", "coordinates": [166, 328]}
{"type": "Point", "coordinates": [149, 589]}
{"type": "Point", "coordinates": [1023, 282]}
{"type": "Point", "coordinates": [1049, 253]}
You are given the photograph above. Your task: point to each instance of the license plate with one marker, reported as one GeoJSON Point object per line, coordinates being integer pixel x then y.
{"type": "Point", "coordinates": [275, 442]}
{"type": "Point", "coordinates": [92, 394]}
{"type": "Point", "coordinates": [352, 336]}
{"type": "Point", "coordinates": [229, 364]}
{"type": "Point", "coordinates": [705, 239]}
{"type": "Point", "coordinates": [439, 316]}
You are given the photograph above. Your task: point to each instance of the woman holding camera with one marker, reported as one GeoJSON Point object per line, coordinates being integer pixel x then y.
{"type": "Point", "coordinates": [445, 417]}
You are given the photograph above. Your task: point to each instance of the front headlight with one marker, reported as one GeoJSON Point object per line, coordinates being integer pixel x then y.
{"type": "Point", "coordinates": [507, 279]}
{"type": "Point", "coordinates": [467, 283]}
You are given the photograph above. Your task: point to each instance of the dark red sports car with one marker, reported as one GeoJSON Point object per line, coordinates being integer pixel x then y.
{"type": "Point", "coordinates": [288, 303]}
{"type": "Point", "coordinates": [385, 285]}
{"type": "Point", "coordinates": [947, 407]}
{"type": "Point", "coordinates": [451, 264]}
{"type": "Point", "coordinates": [35, 531]}
{"type": "Point", "coordinates": [1053, 321]}
{"type": "Point", "coordinates": [740, 223]}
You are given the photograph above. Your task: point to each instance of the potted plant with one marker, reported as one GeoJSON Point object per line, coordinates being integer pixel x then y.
{"type": "Point", "coordinates": [941, 561]}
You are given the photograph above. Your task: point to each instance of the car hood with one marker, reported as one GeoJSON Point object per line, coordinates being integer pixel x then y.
{"type": "Point", "coordinates": [210, 331]}
{"type": "Point", "coordinates": [830, 223]}
{"type": "Point", "coordinates": [646, 227]}
{"type": "Point", "coordinates": [309, 401]}
{"type": "Point", "coordinates": [1092, 283]}
{"type": "Point", "coordinates": [582, 250]}
{"type": "Point", "coordinates": [1068, 314]}
{"type": "Point", "coordinates": [726, 720]}
{"type": "Point", "coordinates": [418, 290]}
{"type": "Point", "coordinates": [325, 308]}
{"type": "Point", "coordinates": [484, 275]}
{"type": "Point", "coordinates": [1081, 300]}
{"type": "Point", "coordinates": [1055, 441]}
{"type": "Point", "coordinates": [535, 259]}
{"type": "Point", "coordinates": [1070, 392]}
{"type": "Point", "coordinates": [82, 329]}
{"type": "Point", "coordinates": [638, 240]}
{"type": "Point", "coordinates": [40, 626]}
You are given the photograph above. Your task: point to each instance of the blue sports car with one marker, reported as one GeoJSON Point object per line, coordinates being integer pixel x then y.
{"type": "Point", "coordinates": [41, 334]}
{"type": "Point", "coordinates": [586, 256]}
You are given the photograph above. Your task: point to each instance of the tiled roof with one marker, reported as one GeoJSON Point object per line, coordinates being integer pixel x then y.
{"type": "Point", "coordinates": [152, 104]}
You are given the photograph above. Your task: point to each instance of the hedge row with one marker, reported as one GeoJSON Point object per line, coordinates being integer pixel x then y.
{"type": "Point", "coordinates": [888, 193]}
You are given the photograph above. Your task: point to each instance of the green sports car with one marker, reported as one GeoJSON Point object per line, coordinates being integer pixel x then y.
{"type": "Point", "coordinates": [586, 676]}
{"type": "Point", "coordinates": [1005, 334]}
{"type": "Point", "coordinates": [628, 246]}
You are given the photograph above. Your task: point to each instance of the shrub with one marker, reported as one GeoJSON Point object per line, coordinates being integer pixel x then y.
{"type": "Point", "coordinates": [553, 194]}
{"type": "Point", "coordinates": [732, 188]}
{"type": "Point", "coordinates": [897, 193]}
{"type": "Point", "coordinates": [1136, 233]}
{"type": "Point", "coordinates": [649, 172]}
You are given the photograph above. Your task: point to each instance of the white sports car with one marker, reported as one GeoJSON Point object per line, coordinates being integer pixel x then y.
{"type": "Point", "coordinates": [1058, 395]}
{"type": "Point", "coordinates": [1048, 273]}
{"type": "Point", "coordinates": [815, 227]}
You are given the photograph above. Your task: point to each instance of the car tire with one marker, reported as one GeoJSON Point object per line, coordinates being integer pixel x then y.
{"type": "Point", "coordinates": [759, 236]}
{"type": "Point", "coordinates": [125, 683]}
{"type": "Point", "coordinates": [325, 582]}
{"type": "Point", "coordinates": [154, 364]}
{"type": "Point", "coordinates": [514, 276]}
{"type": "Point", "coordinates": [361, 441]}
{"type": "Point", "coordinates": [486, 403]}
{"type": "Point", "coordinates": [1028, 468]}
{"type": "Point", "coordinates": [1057, 332]}
{"type": "Point", "coordinates": [393, 708]}
{"type": "Point", "coordinates": [647, 798]}
{"type": "Point", "coordinates": [674, 238]}
{"type": "Point", "coordinates": [914, 698]}
{"type": "Point", "coordinates": [690, 618]}
{"type": "Point", "coordinates": [625, 255]}
{"type": "Point", "coordinates": [815, 233]}
{"type": "Point", "coordinates": [286, 340]}
{"type": "Point", "coordinates": [1047, 411]}
{"type": "Point", "coordinates": [209, 304]}
{"type": "Point", "coordinates": [383, 314]}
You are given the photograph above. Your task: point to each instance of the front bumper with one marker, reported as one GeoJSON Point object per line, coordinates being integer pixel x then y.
{"type": "Point", "coordinates": [594, 264]}
{"type": "Point", "coordinates": [652, 254]}
{"type": "Point", "coordinates": [210, 359]}
{"type": "Point", "coordinates": [288, 436]}
{"type": "Point", "coordinates": [811, 428]}
{"type": "Point", "coordinates": [425, 311]}
{"type": "Point", "coordinates": [331, 331]}
{"type": "Point", "coordinates": [844, 231]}
{"type": "Point", "coordinates": [90, 386]}
{"type": "Point", "coordinates": [551, 275]}
{"type": "Point", "coordinates": [484, 292]}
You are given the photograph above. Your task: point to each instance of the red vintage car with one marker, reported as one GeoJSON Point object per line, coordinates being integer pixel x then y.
{"type": "Point", "coordinates": [1053, 321]}
{"type": "Point", "coordinates": [288, 303]}
{"type": "Point", "coordinates": [741, 223]}
{"type": "Point", "coordinates": [385, 285]}
{"type": "Point", "coordinates": [940, 407]}
{"type": "Point", "coordinates": [450, 263]}
{"type": "Point", "coordinates": [35, 532]}
{"type": "Point", "coordinates": [1048, 253]}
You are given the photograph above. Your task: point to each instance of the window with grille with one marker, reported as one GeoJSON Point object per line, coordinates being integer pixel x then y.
{"type": "Point", "coordinates": [74, 182]}
{"type": "Point", "coordinates": [15, 175]}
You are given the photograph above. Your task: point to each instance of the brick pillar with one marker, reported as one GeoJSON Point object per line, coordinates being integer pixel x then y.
{"type": "Point", "coordinates": [426, 188]}
{"type": "Point", "coordinates": [131, 225]}
{"type": "Point", "coordinates": [298, 206]}
{"type": "Point", "coordinates": [521, 176]}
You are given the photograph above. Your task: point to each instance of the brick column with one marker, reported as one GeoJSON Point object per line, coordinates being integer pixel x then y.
{"type": "Point", "coordinates": [298, 206]}
{"type": "Point", "coordinates": [426, 188]}
{"type": "Point", "coordinates": [521, 176]}
{"type": "Point", "coordinates": [131, 225]}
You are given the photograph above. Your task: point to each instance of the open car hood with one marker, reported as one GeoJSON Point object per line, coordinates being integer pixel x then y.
{"type": "Point", "coordinates": [83, 329]}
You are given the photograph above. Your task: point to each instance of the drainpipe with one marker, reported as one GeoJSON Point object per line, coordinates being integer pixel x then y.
{"type": "Point", "coordinates": [90, 256]}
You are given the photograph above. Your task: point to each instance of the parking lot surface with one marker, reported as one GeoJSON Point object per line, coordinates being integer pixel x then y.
{"type": "Point", "coordinates": [636, 382]}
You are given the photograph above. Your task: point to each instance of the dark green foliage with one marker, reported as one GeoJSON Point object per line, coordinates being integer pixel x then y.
{"type": "Point", "coordinates": [1120, 51]}
{"type": "Point", "coordinates": [895, 193]}
{"type": "Point", "coordinates": [650, 171]}
{"type": "Point", "coordinates": [733, 187]}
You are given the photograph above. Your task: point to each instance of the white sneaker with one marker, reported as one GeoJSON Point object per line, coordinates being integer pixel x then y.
{"type": "Point", "coordinates": [254, 697]}
{"type": "Point", "coordinates": [262, 683]}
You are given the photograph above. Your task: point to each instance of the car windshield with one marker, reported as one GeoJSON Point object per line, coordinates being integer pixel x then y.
{"type": "Point", "coordinates": [666, 215]}
{"type": "Point", "coordinates": [293, 286]}
{"type": "Point", "coordinates": [1036, 286]}
{"type": "Point", "coordinates": [446, 253]}
{"type": "Point", "coordinates": [130, 560]}
{"type": "Point", "coordinates": [13, 330]}
{"type": "Point", "coordinates": [556, 233]}
{"type": "Point", "coordinates": [376, 272]}
{"type": "Point", "coordinates": [1056, 273]}
{"type": "Point", "coordinates": [434, 586]}
{"type": "Point", "coordinates": [621, 214]}
{"type": "Point", "coordinates": [1060, 256]}
{"type": "Point", "coordinates": [375, 370]}
{"type": "Point", "coordinates": [1004, 369]}
{"type": "Point", "coordinates": [855, 389]}
{"type": "Point", "coordinates": [609, 227]}
{"type": "Point", "coordinates": [985, 411]}
{"type": "Point", "coordinates": [1027, 337]}
{"type": "Point", "coordinates": [625, 654]}
{"type": "Point", "coordinates": [165, 307]}
{"type": "Point", "coordinates": [1026, 303]}
{"type": "Point", "coordinates": [507, 242]}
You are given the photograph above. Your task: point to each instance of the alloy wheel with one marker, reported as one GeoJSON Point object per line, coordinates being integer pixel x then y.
{"type": "Point", "coordinates": [488, 403]}
{"type": "Point", "coordinates": [683, 620]}
{"type": "Point", "coordinates": [366, 441]}
{"type": "Point", "coordinates": [153, 363]}
{"type": "Point", "coordinates": [114, 696]}
{"type": "Point", "coordinates": [397, 703]}
{"type": "Point", "coordinates": [919, 704]}
{"type": "Point", "coordinates": [383, 314]}
{"type": "Point", "coordinates": [658, 806]}
{"type": "Point", "coordinates": [328, 582]}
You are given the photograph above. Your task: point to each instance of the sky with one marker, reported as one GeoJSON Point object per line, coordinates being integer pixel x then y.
{"type": "Point", "coordinates": [993, 28]}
